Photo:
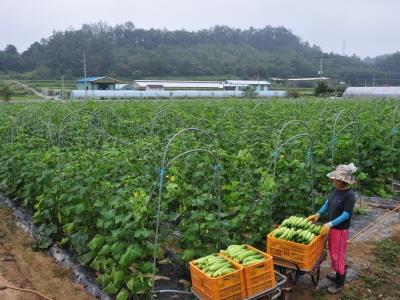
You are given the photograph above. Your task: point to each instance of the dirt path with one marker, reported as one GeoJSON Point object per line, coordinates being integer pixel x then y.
{"type": "Point", "coordinates": [21, 267]}
{"type": "Point", "coordinates": [360, 252]}
{"type": "Point", "coordinates": [35, 92]}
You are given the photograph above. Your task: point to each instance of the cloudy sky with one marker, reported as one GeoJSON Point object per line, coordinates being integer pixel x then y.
{"type": "Point", "coordinates": [368, 28]}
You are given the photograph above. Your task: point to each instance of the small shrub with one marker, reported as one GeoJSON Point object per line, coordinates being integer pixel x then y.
{"type": "Point", "coordinates": [322, 89]}
{"type": "Point", "coordinates": [6, 92]}
{"type": "Point", "coordinates": [293, 94]}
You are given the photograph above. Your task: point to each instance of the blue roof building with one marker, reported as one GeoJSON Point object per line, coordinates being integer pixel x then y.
{"type": "Point", "coordinates": [97, 83]}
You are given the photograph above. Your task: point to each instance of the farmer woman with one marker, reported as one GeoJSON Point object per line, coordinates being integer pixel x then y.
{"type": "Point", "coordinates": [339, 207]}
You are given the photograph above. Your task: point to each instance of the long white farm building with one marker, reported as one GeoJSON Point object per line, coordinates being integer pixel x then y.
{"type": "Point", "coordinates": [228, 85]}
{"type": "Point", "coordinates": [184, 89]}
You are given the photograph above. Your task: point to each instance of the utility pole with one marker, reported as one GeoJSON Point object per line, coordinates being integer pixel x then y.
{"type": "Point", "coordinates": [373, 81]}
{"type": "Point", "coordinates": [320, 69]}
{"type": "Point", "coordinates": [85, 72]}
{"type": "Point", "coordinates": [321, 65]}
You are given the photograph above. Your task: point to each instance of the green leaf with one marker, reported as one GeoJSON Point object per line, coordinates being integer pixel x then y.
{"type": "Point", "coordinates": [111, 289]}
{"type": "Point", "coordinates": [362, 176]}
{"type": "Point", "coordinates": [117, 249]}
{"type": "Point", "coordinates": [96, 242]}
{"type": "Point", "coordinates": [143, 233]}
{"type": "Point", "coordinates": [268, 184]}
{"type": "Point", "coordinates": [85, 258]}
{"type": "Point", "coordinates": [104, 279]}
{"type": "Point", "coordinates": [188, 254]}
{"type": "Point", "coordinates": [105, 250]}
{"type": "Point", "coordinates": [123, 295]}
{"type": "Point", "coordinates": [68, 228]}
{"type": "Point", "coordinates": [138, 284]}
{"type": "Point", "coordinates": [118, 277]}
{"type": "Point", "coordinates": [147, 267]}
{"type": "Point", "coordinates": [65, 241]}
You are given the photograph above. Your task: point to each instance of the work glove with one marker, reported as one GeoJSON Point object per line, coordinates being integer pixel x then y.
{"type": "Point", "coordinates": [313, 218]}
{"type": "Point", "coordinates": [325, 229]}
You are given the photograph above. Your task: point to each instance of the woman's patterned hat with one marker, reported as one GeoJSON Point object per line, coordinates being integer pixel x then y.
{"type": "Point", "coordinates": [344, 173]}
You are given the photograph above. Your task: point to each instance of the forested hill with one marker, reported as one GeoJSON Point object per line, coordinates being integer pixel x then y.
{"type": "Point", "coordinates": [125, 51]}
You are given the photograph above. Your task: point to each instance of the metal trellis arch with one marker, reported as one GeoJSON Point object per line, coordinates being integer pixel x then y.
{"type": "Point", "coordinates": [156, 118]}
{"type": "Point", "coordinates": [166, 163]}
{"type": "Point", "coordinates": [18, 118]}
{"type": "Point", "coordinates": [61, 129]}
{"type": "Point", "coordinates": [279, 145]}
{"type": "Point", "coordinates": [335, 133]}
{"type": "Point", "coordinates": [222, 120]}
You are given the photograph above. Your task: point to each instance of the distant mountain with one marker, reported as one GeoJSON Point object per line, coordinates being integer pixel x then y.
{"type": "Point", "coordinates": [125, 51]}
{"type": "Point", "coordinates": [388, 68]}
{"type": "Point", "coordinates": [374, 60]}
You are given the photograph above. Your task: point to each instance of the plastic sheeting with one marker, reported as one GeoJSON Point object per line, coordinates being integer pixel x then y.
{"type": "Point", "coordinates": [373, 92]}
{"type": "Point", "coordinates": [65, 258]}
{"type": "Point", "coordinates": [100, 94]}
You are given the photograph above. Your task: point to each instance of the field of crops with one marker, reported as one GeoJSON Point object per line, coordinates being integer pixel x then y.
{"type": "Point", "coordinates": [120, 182]}
{"type": "Point", "coordinates": [49, 84]}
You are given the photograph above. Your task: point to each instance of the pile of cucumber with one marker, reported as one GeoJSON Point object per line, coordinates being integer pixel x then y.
{"type": "Point", "coordinates": [297, 229]}
{"type": "Point", "coordinates": [242, 255]}
{"type": "Point", "coordinates": [214, 265]}
{"type": "Point", "coordinates": [302, 223]}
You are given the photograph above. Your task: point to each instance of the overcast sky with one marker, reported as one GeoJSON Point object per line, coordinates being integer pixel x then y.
{"type": "Point", "coordinates": [368, 28]}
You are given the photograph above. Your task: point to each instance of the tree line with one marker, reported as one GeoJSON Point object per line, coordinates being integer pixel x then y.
{"type": "Point", "coordinates": [125, 51]}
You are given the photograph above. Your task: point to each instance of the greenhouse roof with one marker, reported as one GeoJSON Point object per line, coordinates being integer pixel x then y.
{"type": "Point", "coordinates": [247, 82]}
{"type": "Point", "coordinates": [381, 91]}
{"type": "Point", "coordinates": [179, 84]}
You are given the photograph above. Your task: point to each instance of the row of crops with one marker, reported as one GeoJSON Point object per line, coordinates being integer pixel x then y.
{"type": "Point", "coordinates": [121, 182]}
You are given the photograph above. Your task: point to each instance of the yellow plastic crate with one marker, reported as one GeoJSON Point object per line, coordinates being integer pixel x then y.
{"type": "Point", "coordinates": [227, 287]}
{"type": "Point", "coordinates": [305, 256]}
{"type": "Point", "coordinates": [260, 276]}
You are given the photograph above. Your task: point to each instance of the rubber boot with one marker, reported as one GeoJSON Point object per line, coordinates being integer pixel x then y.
{"type": "Point", "coordinates": [331, 276]}
{"type": "Point", "coordinates": [340, 279]}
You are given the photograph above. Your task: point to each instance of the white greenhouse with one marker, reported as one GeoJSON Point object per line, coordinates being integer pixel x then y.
{"type": "Point", "coordinates": [372, 92]}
